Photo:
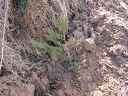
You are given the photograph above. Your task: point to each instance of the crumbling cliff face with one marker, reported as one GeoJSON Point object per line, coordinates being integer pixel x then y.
{"type": "Point", "coordinates": [95, 47]}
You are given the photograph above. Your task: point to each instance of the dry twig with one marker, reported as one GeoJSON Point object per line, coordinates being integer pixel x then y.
{"type": "Point", "coordinates": [4, 31]}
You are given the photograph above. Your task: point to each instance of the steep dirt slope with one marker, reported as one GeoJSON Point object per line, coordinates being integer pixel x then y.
{"type": "Point", "coordinates": [95, 54]}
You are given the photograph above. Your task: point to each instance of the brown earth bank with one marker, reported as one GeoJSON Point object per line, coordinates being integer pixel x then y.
{"type": "Point", "coordinates": [64, 48]}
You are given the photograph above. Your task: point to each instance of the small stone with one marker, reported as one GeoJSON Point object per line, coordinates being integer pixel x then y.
{"type": "Point", "coordinates": [97, 93]}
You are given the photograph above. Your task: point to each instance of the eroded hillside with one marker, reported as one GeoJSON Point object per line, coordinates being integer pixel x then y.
{"type": "Point", "coordinates": [63, 47]}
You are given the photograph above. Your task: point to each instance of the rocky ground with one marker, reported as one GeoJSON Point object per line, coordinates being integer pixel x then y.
{"type": "Point", "coordinates": [95, 58]}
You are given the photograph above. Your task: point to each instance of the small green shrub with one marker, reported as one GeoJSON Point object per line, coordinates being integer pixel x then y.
{"type": "Point", "coordinates": [53, 52]}
{"type": "Point", "coordinates": [53, 45]}
{"type": "Point", "coordinates": [57, 38]}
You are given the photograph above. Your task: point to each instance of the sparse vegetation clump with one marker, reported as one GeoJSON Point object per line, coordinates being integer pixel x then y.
{"type": "Point", "coordinates": [53, 45]}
